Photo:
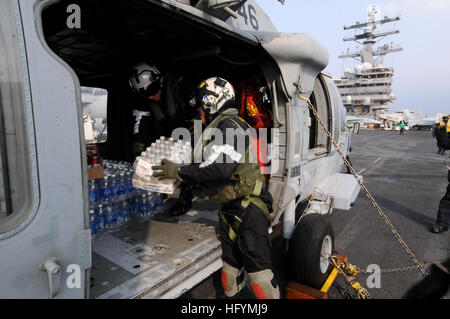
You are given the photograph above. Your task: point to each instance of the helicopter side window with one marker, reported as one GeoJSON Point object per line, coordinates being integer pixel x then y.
{"type": "Point", "coordinates": [16, 181]}
{"type": "Point", "coordinates": [95, 103]}
{"type": "Point", "coordinates": [319, 98]}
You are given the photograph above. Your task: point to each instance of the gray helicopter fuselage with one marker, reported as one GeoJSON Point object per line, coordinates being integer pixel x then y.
{"type": "Point", "coordinates": [45, 241]}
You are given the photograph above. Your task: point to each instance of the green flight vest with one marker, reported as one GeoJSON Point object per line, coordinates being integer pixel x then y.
{"type": "Point", "coordinates": [246, 181]}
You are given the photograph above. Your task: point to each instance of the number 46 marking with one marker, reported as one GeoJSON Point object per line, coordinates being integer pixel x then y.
{"type": "Point", "coordinates": [251, 15]}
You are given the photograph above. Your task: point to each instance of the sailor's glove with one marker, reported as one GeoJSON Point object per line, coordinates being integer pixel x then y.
{"type": "Point", "coordinates": [167, 170]}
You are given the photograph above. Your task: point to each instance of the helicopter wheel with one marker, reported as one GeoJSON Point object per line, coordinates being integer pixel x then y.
{"type": "Point", "coordinates": [310, 246]}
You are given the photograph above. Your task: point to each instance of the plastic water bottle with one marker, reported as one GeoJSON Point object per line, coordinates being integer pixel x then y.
{"type": "Point", "coordinates": [129, 182]}
{"type": "Point", "coordinates": [135, 203]}
{"type": "Point", "coordinates": [143, 207]}
{"type": "Point", "coordinates": [124, 177]}
{"type": "Point", "coordinates": [100, 189]}
{"type": "Point", "coordinates": [114, 186]}
{"type": "Point", "coordinates": [101, 225]}
{"type": "Point", "coordinates": [118, 216]}
{"type": "Point", "coordinates": [93, 223]}
{"type": "Point", "coordinates": [109, 218]}
{"type": "Point", "coordinates": [136, 162]}
{"type": "Point", "coordinates": [107, 189]}
{"type": "Point", "coordinates": [126, 211]}
{"type": "Point", "coordinates": [93, 193]}
{"type": "Point", "coordinates": [122, 186]}
{"type": "Point", "coordinates": [150, 205]}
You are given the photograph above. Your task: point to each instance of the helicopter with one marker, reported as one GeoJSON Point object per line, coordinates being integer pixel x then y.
{"type": "Point", "coordinates": [53, 48]}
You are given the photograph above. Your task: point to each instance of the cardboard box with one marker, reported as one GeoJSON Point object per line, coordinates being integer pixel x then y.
{"type": "Point", "coordinates": [143, 179]}
{"type": "Point", "coordinates": [96, 173]}
{"type": "Point", "coordinates": [154, 185]}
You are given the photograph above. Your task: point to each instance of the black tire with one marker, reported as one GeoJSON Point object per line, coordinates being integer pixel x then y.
{"type": "Point", "coordinates": [305, 250]}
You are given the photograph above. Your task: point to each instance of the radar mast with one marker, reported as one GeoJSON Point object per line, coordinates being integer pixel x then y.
{"type": "Point", "coordinates": [367, 90]}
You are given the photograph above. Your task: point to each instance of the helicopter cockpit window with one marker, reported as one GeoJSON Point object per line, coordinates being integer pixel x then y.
{"type": "Point", "coordinates": [95, 102]}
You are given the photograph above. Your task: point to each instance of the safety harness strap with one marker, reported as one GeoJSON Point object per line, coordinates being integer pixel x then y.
{"type": "Point", "coordinates": [257, 201]}
{"type": "Point", "coordinates": [233, 228]}
{"type": "Point", "coordinates": [258, 188]}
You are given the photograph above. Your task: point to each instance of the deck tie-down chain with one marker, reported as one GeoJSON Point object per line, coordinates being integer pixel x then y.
{"type": "Point", "coordinates": [398, 269]}
{"type": "Point", "coordinates": [350, 273]}
{"type": "Point", "coordinates": [363, 187]}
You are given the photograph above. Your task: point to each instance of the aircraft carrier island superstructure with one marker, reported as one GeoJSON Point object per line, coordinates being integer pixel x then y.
{"type": "Point", "coordinates": [366, 90]}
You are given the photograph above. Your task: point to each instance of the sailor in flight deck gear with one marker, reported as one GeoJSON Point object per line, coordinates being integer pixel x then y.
{"type": "Point", "coordinates": [147, 83]}
{"type": "Point", "coordinates": [154, 94]}
{"type": "Point", "coordinates": [442, 134]}
{"type": "Point", "coordinates": [445, 123]}
{"type": "Point", "coordinates": [230, 175]}
{"type": "Point", "coordinates": [256, 111]}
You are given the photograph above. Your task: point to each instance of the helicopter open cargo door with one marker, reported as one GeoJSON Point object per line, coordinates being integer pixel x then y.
{"type": "Point", "coordinates": [44, 242]}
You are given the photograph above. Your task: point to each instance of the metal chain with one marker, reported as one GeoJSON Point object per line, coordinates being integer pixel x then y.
{"type": "Point", "coordinates": [394, 270]}
{"type": "Point", "coordinates": [363, 187]}
{"type": "Point", "coordinates": [350, 279]}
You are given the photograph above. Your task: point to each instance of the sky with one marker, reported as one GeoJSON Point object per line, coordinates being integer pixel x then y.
{"type": "Point", "coordinates": [422, 69]}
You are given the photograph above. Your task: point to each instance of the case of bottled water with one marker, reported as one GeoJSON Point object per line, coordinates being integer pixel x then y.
{"type": "Point", "coordinates": [114, 202]}
{"type": "Point", "coordinates": [175, 151]}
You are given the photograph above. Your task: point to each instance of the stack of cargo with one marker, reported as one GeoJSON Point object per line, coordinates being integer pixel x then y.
{"type": "Point", "coordinates": [120, 192]}
{"type": "Point", "coordinates": [114, 201]}
{"type": "Point", "coordinates": [176, 151]}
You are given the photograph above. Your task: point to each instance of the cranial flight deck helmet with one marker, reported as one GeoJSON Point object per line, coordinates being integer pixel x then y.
{"type": "Point", "coordinates": [146, 79]}
{"type": "Point", "coordinates": [215, 94]}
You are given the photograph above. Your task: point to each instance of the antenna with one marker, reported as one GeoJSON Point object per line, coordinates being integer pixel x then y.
{"type": "Point", "coordinates": [369, 37]}
{"type": "Point", "coordinates": [367, 91]}
{"type": "Point", "coordinates": [373, 13]}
